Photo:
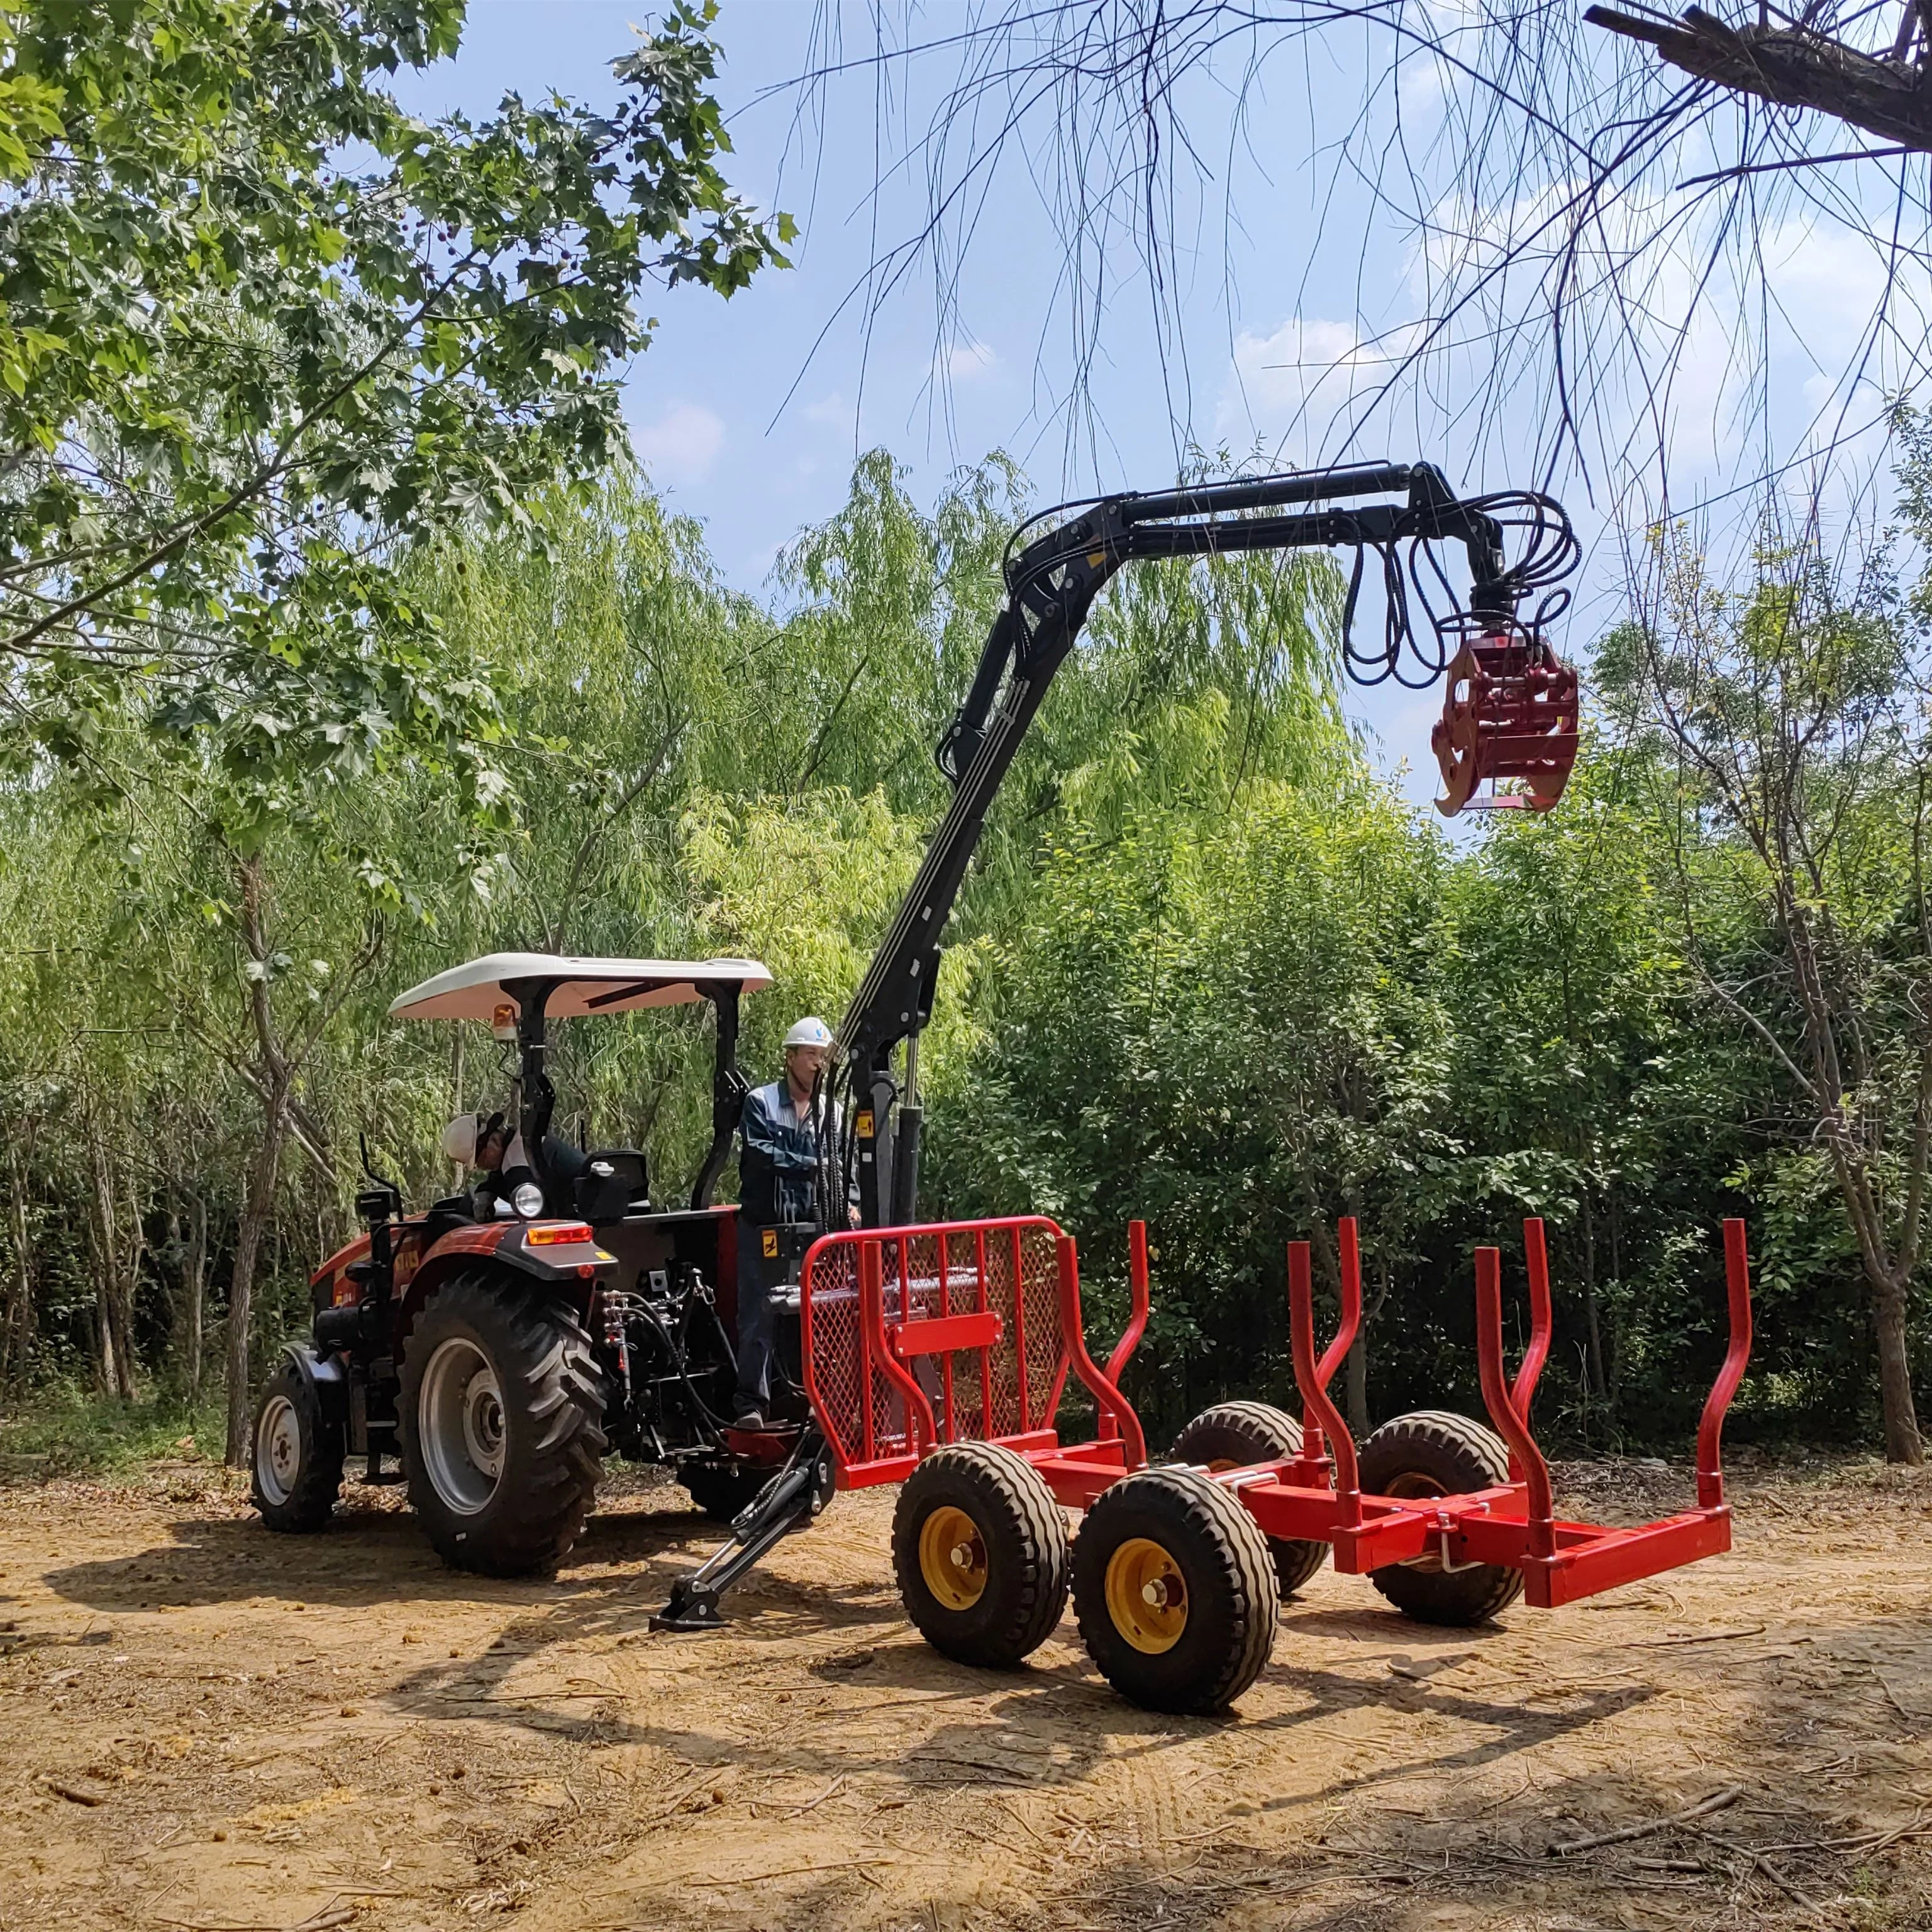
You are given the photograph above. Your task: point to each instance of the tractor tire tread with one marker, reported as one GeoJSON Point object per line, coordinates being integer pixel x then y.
{"type": "Point", "coordinates": [533, 1524]}
{"type": "Point", "coordinates": [311, 1501]}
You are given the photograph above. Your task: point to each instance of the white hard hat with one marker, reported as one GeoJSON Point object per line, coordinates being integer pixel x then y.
{"type": "Point", "coordinates": [808, 1033]}
{"type": "Point", "coordinates": [459, 1139]}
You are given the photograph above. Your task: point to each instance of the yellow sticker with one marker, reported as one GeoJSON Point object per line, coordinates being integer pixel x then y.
{"type": "Point", "coordinates": [866, 1125]}
{"type": "Point", "coordinates": [771, 1244]}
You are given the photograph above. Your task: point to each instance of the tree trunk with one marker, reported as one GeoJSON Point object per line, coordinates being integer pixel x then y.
{"type": "Point", "coordinates": [113, 1287]}
{"type": "Point", "coordinates": [272, 1083]}
{"type": "Point", "coordinates": [194, 1285]}
{"type": "Point", "coordinates": [1594, 1367]}
{"type": "Point", "coordinates": [257, 1207]}
{"type": "Point", "coordinates": [1902, 1442]}
{"type": "Point", "coordinates": [189, 1248]}
{"type": "Point", "coordinates": [1358, 1360]}
{"type": "Point", "coordinates": [17, 1336]}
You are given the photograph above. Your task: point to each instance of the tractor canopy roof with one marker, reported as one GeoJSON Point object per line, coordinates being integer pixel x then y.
{"type": "Point", "coordinates": [575, 986]}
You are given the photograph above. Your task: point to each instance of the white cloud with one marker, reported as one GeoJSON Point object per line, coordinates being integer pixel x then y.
{"type": "Point", "coordinates": [1302, 385]}
{"type": "Point", "coordinates": [681, 445]}
{"type": "Point", "coordinates": [833, 409]}
{"type": "Point", "coordinates": [964, 361]}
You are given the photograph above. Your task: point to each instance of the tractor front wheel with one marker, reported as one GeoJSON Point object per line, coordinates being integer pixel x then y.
{"type": "Point", "coordinates": [1176, 1595]}
{"type": "Point", "coordinates": [1232, 1434]}
{"type": "Point", "coordinates": [502, 1412]}
{"type": "Point", "coordinates": [979, 1549]}
{"type": "Point", "coordinates": [297, 1458]}
{"type": "Point", "coordinates": [1434, 1453]}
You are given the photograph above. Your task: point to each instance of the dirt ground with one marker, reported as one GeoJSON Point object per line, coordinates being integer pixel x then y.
{"type": "Point", "coordinates": [204, 1725]}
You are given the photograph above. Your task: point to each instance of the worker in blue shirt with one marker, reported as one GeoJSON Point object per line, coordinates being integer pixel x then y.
{"type": "Point", "coordinates": [777, 1175]}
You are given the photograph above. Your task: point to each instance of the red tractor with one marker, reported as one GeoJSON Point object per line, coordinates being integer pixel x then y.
{"type": "Point", "coordinates": [497, 1347]}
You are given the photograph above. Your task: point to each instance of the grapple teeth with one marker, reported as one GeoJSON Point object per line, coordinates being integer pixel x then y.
{"type": "Point", "coordinates": [1511, 711]}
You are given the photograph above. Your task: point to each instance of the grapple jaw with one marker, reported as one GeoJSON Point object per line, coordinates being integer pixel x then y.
{"type": "Point", "coordinates": [1511, 711]}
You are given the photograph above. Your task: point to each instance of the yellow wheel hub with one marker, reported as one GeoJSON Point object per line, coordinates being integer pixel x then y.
{"type": "Point", "coordinates": [952, 1558]}
{"type": "Point", "coordinates": [1147, 1595]}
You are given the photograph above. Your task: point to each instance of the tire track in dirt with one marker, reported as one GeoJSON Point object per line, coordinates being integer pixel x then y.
{"type": "Point", "coordinates": [264, 1730]}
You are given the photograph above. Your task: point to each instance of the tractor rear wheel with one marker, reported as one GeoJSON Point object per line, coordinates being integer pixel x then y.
{"type": "Point", "coordinates": [1434, 1453]}
{"type": "Point", "coordinates": [502, 1424]}
{"type": "Point", "coordinates": [297, 1458]}
{"type": "Point", "coordinates": [720, 1490]}
{"type": "Point", "coordinates": [1231, 1434]}
{"type": "Point", "coordinates": [1176, 1595]}
{"type": "Point", "coordinates": [979, 1549]}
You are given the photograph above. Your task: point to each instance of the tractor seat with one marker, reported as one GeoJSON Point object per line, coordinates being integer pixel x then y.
{"type": "Point", "coordinates": [625, 1191]}
{"type": "Point", "coordinates": [445, 1216]}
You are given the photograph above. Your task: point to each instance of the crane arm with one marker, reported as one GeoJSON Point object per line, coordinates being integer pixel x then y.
{"type": "Point", "coordinates": [1051, 582]}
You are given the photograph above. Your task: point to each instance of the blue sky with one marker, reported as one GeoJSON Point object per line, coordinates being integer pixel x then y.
{"type": "Point", "coordinates": [747, 413]}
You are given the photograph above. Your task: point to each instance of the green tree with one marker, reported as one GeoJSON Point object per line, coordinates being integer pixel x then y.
{"type": "Point", "coordinates": [1794, 773]}
{"type": "Point", "coordinates": [243, 293]}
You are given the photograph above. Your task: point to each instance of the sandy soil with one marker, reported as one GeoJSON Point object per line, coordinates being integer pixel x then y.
{"type": "Point", "coordinates": [204, 1725]}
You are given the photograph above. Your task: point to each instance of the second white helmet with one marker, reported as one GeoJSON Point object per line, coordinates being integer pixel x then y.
{"type": "Point", "coordinates": [808, 1033]}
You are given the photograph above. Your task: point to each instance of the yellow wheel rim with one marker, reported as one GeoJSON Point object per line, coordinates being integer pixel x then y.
{"type": "Point", "coordinates": [1146, 1596]}
{"type": "Point", "coordinates": [952, 1558]}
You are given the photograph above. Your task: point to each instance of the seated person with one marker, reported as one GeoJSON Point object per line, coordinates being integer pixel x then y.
{"type": "Point", "coordinates": [486, 1141]}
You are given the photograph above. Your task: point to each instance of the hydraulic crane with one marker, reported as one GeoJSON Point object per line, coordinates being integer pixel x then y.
{"type": "Point", "coordinates": [1511, 713]}
{"type": "Point", "coordinates": [1512, 709]}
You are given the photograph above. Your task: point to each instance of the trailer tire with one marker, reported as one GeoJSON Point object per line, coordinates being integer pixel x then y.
{"type": "Point", "coordinates": [1233, 1433]}
{"type": "Point", "coordinates": [296, 1460]}
{"type": "Point", "coordinates": [979, 1549]}
{"type": "Point", "coordinates": [1176, 1596]}
{"type": "Point", "coordinates": [721, 1491]}
{"type": "Point", "coordinates": [502, 1424]}
{"type": "Point", "coordinates": [1433, 1452]}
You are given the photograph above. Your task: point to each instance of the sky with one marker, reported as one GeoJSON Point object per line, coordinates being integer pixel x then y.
{"type": "Point", "coordinates": [748, 414]}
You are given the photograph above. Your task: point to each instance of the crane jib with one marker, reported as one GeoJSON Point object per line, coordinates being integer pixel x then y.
{"type": "Point", "coordinates": [1511, 713]}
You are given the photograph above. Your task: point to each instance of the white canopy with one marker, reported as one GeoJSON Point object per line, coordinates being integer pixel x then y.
{"type": "Point", "coordinates": [578, 986]}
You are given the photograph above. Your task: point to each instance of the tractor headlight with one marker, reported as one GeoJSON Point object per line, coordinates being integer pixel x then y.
{"type": "Point", "coordinates": [527, 1199]}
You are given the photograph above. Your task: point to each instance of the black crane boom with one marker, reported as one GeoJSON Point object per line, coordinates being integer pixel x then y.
{"type": "Point", "coordinates": [1051, 582]}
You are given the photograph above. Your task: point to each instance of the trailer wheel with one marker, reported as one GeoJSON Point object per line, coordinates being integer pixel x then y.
{"type": "Point", "coordinates": [1434, 1453]}
{"type": "Point", "coordinates": [298, 1456]}
{"type": "Point", "coordinates": [979, 1549]}
{"type": "Point", "coordinates": [501, 1413]}
{"type": "Point", "coordinates": [1233, 1433]}
{"type": "Point", "coordinates": [1176, 1597]}
{"type": "Point", "coordinates": [720, 1490]}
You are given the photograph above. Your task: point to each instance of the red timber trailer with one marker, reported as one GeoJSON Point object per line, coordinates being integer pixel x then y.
{"type": "Point", "coordinates": [938, 1357]}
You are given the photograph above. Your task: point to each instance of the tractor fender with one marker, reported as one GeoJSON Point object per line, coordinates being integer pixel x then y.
{"type": "Point", "coordinates": [327, 1378]}
{"type": "Point", "coordinates": [574, 1269]}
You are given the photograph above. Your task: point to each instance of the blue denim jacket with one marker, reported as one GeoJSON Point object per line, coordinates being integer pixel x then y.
{"type": "Point", "coordinates": [777, 1163]}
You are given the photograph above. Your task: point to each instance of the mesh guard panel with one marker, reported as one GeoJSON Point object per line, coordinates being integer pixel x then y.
{"type": "Point", "coordinates": [878, 1387]}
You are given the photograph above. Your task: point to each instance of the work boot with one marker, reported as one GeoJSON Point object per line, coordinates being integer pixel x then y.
{"type": "Point", "coordinates": [749, 1416]}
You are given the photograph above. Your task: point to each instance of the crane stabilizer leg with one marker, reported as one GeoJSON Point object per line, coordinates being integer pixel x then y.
{"type": "Point", "coordinates": [797, 1493]}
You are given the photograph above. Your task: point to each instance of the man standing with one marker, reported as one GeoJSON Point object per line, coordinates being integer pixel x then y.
{"type": "Point", "coordinates": [777, 1175]}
